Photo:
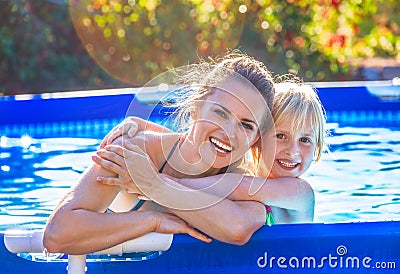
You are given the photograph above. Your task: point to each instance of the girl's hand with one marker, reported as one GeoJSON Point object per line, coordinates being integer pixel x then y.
{"type": "Point", "coordinates": [128, 127]}
{"type": "Point", "coordinates": [170, 224]}
{"type": "Point", "coordinates": [112, 159]}
{"type": "Point", "coordinates": [131, 164]}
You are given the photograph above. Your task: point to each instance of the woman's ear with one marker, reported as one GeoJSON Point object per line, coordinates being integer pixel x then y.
{"type": "Point", "coordinates": [256, 141]}
{"type": "Point", "coordinates": [194, 110]}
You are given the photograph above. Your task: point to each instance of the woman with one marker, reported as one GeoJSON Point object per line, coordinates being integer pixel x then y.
{"type": "Point", "coordinates": [228, 116]}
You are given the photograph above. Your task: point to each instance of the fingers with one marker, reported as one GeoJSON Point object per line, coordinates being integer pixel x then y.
{"type": "Point", "coordinates": [198, 235]}
{"type": "Point", "coordinates": [118, 150]}
{"type": "Point", "coordinates": [114, 135]}
{"type": "Point", "coordinates": [106, 164]}
{"type": "Point", "coordinates": [134, 148]}
{"type": "Point", "coordinates": [104, 141]}
{"type": "Point", "coordinates": [143, 197]}
{"type": "Point", "coordinates": [130, 129]}
{"type": "Point", "coordinates": [112, 154]}
{"type": "Point", "coordinates": [109, 181]}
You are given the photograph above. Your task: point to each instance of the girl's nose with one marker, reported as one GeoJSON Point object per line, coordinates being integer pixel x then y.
{"type": "Point", "coordinates": [292, 149]}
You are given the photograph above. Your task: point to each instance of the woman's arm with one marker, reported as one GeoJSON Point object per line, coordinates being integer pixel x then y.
{"type": "Point", "coordinates": [229, 221]}
{"type": "Point", "coordinates": [223, 219]}
{"type": "Point", "coordinates": [79, 225]}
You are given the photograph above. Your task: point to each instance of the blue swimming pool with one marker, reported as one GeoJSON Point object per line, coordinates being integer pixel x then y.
{"type": "Point", "coordinates": [46, 142]}
{"type": "Point", "coordinates": [357, 181]}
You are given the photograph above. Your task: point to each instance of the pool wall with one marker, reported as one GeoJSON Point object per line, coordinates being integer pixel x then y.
{"type": "Point", "coordinates": [344, 102]}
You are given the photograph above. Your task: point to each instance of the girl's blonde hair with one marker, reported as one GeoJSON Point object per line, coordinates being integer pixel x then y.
{"type": "Point", "coordinates": [299, 103]}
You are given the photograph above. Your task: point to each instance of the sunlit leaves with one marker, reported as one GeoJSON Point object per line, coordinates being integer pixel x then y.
{"type": "Point", "coordinates": [151, 36]}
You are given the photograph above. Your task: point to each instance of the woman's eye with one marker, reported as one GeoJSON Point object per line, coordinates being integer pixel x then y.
{"type": "Point", "coordinates": [247, 126]}
{"type": "Point", "coordinates": [221, 113]}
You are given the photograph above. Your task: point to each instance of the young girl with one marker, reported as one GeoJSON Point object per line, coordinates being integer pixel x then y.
{"type": "Point", "coordinates": [228, 114]}
{"type": "Point", "coordinates": [299, 139]}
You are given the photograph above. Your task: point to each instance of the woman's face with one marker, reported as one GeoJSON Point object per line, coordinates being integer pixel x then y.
{"type": "Point", "coordinates": [294, 150]}
{"type": "Point", "coordinates": [227, 122]}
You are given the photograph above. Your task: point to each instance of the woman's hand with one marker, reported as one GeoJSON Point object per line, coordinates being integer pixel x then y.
{"type": "Point", "coordinates": [130, 126]}
{"type": "Point", "coordinates": [171, 224]}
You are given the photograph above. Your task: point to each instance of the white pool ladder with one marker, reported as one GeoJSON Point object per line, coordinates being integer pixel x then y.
{"type": "Point", "coordinates": [32, 242]}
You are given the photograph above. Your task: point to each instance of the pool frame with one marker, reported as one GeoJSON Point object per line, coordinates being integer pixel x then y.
{"type": "Point", "coordinates": [350, 102]}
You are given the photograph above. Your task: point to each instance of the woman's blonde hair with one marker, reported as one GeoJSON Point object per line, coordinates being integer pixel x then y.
{"type": "Point", "coordinates": [298, 102]}
{"type": "Point", "coordinates": [198, 80]}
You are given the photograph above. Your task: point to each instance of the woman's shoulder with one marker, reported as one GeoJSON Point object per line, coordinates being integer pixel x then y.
{"type": "Point", "coordinates": [155, 144]}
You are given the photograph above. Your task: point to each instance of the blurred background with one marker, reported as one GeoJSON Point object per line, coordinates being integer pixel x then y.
{"type": "Point", "coordinates": [60, 45]}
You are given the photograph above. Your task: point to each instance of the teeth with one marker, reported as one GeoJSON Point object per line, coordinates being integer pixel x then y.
{"type": "Point", "coordinates": [287, 164]}
{"type": "Point", "coordinates": [220, 146]}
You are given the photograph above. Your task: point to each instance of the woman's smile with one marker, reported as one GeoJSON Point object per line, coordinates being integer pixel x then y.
{"type": "Point", "coordinates": [220, 146]}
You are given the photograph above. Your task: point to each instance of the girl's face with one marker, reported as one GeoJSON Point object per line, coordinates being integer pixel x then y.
{"type": "Point", "coordinates": [227, 122]}
{"type": "Point", "coordinates": [294, 150]}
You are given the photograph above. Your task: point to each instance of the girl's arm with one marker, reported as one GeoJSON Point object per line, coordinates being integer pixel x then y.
{"type": "Point", "coordinates": [129, 127]}
{"type": "Point", "coordinates": [228, 221]}
{"type": "Point", "coordinates": [292, 194]}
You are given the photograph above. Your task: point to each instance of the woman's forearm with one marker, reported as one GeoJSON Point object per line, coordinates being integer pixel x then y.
{"type": "Point", "coordinates": [79, 225]}
{"type": "Point", "coordinates": [82, 231]}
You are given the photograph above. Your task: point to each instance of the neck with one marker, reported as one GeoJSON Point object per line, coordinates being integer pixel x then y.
{"type": "Point", "coordinates": [186, 161]}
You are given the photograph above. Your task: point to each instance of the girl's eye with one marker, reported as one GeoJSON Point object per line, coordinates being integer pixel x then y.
{"type": "Point", "coordinates": [247, 126]}
{"type": "Point", "coordinates": [280, 136]}
{"type": "Point", "coordinates": [221, 113]}
{"type": "Point", "coordinates": [305, 140]}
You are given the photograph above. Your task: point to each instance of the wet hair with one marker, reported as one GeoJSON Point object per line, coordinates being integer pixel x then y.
{"type": "Point", "coordinates": [298, 102]}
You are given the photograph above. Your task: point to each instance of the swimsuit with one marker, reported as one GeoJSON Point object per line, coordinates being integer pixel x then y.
{"type": "Point", "coordinates": [269, 220]}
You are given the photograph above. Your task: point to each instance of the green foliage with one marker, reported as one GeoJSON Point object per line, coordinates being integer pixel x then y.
{"type": "Point", "coordinates": [39, 50]}
{"type": "Point", "coordinates": [86, 44]}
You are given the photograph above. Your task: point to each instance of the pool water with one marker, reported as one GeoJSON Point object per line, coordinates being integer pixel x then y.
{"type": "Point", "coordinates": [357, 181]}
